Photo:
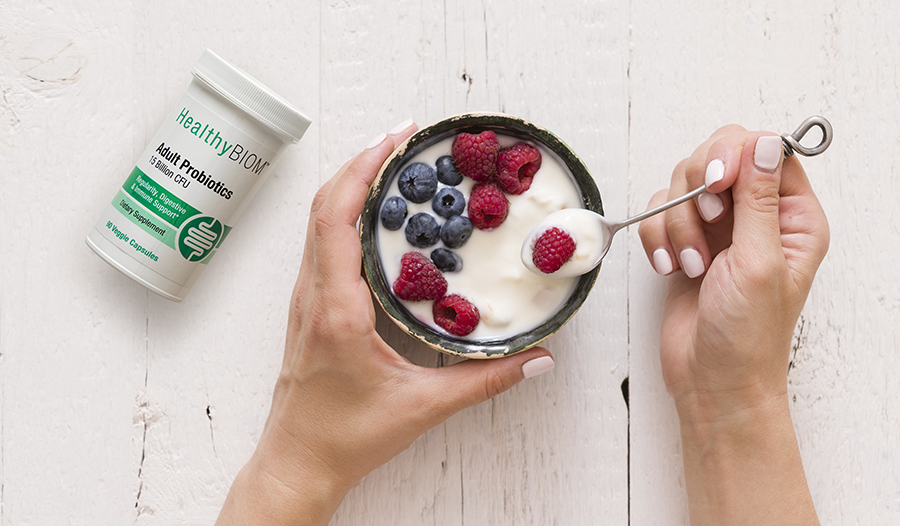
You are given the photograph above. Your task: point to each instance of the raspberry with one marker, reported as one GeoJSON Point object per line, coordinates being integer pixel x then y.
{"type": "Point", "coordinates": [455, 314]}
{"type": "Point", "coordinates": [419, 279]}
{"type": "Point", "coordinates": [552, 249]}
{"type": "Point", "coordinates": [488, 207]}
{"type": "Point", "coordinates": [476, 155]}
{"type": "Point", "coordinates": [516, 167]}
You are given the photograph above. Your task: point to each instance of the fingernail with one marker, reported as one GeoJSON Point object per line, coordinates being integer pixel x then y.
{"type": "Point", "coordinates": [691, 262]}
{"type": "Point", "coordinates": [715, 171]}
{"type": "Point", "coordinates": [376, 141]}
{"type": "Point", "coordinates": [768, 152]}
{"type": "Point", "coordinates": [662, 262]}
{"type": "Point", "coordinates": [710, 206]}
{"type": "Point", "coordinates": [537, 366]}
{"type": "Point", "coordinates": [400, 127]}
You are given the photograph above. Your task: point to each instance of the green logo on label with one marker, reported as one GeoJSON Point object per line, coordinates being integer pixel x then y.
{"type": "Point", "coordinates": [198, 237]}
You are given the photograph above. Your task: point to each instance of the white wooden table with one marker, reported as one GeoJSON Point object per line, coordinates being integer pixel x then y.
{"type": "Point", "coordinates": [117, 406]}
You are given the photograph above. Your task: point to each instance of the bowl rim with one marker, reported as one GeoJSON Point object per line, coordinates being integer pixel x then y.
{"type": "Point", "coordinates": [474, 122]}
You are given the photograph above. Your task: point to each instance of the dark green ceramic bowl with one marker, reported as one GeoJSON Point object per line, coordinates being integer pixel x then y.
{"type": "Point", "coordinates": [470, 123]}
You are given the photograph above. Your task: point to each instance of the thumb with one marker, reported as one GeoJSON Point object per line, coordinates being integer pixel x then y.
{"type": "Point", "coordinates": [474, 381]}
{"type": "Point", "coordinates": [756, 195]}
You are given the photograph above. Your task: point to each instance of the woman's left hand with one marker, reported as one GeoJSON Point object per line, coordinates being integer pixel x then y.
{"type": "Point", "coordinates": [345, 401]}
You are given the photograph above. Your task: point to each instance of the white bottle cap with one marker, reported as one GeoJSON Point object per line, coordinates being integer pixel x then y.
{"type": "Point", "coordinates": [251, 96]}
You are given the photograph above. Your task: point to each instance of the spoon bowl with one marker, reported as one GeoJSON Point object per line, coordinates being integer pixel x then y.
{"type": "Point", "coordinates": [593, 231]}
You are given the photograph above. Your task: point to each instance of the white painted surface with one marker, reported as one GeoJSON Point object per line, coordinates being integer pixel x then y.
{"type": "Point", "coordinates": [121, 407]}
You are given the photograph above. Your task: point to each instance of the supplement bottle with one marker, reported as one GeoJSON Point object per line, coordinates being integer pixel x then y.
{"type": "Point", "coordinates": [196, 177]}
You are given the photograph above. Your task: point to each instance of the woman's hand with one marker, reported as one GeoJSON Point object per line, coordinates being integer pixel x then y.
{"type": "Point", "coordinates": [345, 401]}
{"type": "Point", "coordinates": [748, 251]}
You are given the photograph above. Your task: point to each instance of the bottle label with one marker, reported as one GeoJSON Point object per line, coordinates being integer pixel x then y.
{"type": "Point", "coordinates": [178, 204]}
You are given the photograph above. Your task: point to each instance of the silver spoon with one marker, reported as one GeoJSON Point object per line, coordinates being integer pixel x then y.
{"type": "Point", "coordinates": [595, 232]}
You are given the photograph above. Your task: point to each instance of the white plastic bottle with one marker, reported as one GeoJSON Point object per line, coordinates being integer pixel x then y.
{"type": "Point", "coordinates": [199, 172]}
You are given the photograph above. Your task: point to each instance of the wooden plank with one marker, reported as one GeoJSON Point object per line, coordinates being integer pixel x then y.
{"type": "Point", "coordinates": [768, 66]}
{"type": "Point", "coordinates": [68, 364]}
{"type": "Point", "coordinates": [214, 358]}
{"type": "Point", "coordinates": [124, 407]}
{"type": "Point", "coordinates": [539, 438]}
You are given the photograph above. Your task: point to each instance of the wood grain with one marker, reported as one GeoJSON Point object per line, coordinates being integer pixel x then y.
{"type": "Point", "coordinates": [117, 406]}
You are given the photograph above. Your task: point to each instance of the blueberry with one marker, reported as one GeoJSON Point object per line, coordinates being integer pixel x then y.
{"type": "Point", "coordinates": [422, 230]}
{"type": "Point", "coordinates": [447, 172]}
{"type": "Point", "coordinates": [418, 182]}
{"type": "Point", "coordinates": [448, 202]}
{"type": "Point", "coordinates": [446, 260]}
{"type": "Point", "coordinates": [393, 213]}
{"type": "Point", "coordinates": [456, 231]}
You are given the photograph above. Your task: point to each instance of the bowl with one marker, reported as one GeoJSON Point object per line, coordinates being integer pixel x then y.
{"type": "Point", "coordinates": [471, 123]}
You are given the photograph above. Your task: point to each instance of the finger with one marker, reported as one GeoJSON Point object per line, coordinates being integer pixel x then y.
{"type": "Point", "coordinates": [805, 214]}
{"type": "Point", "coordinates": [698, 169]}
{"type": "Point", "coordinates": [655, 239]}
{"type": "Point", "coordinates": [337, 252]}
{"type": "Point", "coordinates": [804, 227]}
{"type": "Point", "coordinates": [319, 199]}
{"type": "Point", "coordinates": [756, 193]}
{"type": "Point", "coordinates": [402, 131]}
{"type": "Point", "coordinates": [685, 228]}
{"type": "Point", "coordinates": [707, 167]}
{"type": "Point", "coordinates": [351, 185]}
{"type": "Point", "coordinates": [348, 191]}
{"type": "Point", "coordinates": [719, 169]}
{"type": "Point", "coordinates": [325, 189]}
{"type": "Point", "coordinates": [451, 389]}
{"type": "Point", "coordinates": [723, 162]}
{"type": "Point", "coordinates": [711, 206]}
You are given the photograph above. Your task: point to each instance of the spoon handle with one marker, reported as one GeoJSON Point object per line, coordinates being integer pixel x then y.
{"type": "Point", "coordinates": [661, 208]}
{"type": "Point", "coordinates": [791, 144]}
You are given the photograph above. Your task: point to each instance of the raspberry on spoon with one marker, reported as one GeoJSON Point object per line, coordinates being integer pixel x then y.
{"type": "Point", "coordinates": [552, 249]}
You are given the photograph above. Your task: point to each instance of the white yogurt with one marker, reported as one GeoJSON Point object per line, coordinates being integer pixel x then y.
{"type": "Point", "coordinates": [510, 298]}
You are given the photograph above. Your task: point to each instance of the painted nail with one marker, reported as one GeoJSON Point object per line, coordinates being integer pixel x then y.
{"type": "Point", "coordinates": [691, 262]}
{"type": "Point", "coordinates": [768, 152]}
{"type": "Point", "coordinates": [715, 171]}
{"type": "Point", "coordinates": [537, 366]}
{"type": "Point", "coordinates": [710, 206]}
{"type": "Point", "coordinates": [662, 262]}
{"type": "Point", "coordinates": [400, 127]}
{"type": "Point", "coordinates": [376, 141]}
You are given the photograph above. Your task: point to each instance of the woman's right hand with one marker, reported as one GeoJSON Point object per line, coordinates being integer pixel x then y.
{"type": "Point", "coordinates": [748, 251]}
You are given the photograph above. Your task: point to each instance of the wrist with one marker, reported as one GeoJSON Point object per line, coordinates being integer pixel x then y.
{"type": "Point", "coordinates": [734, 406]}
{"type": "Point", "coordinates": [707, 419]}
{"type": "Point", "coordinates": [743, 466]}
{"type": "Point", "coordinates": [269, 491]}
